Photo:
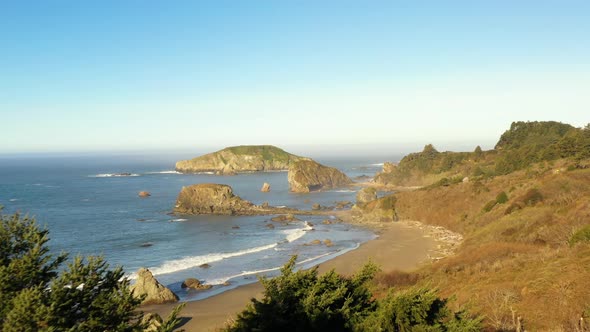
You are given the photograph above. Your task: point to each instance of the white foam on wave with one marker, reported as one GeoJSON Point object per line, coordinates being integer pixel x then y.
{"type": "Point", "coordinates": [193, 261]}
{"type": "Point", "coordinates": [165, 172]}
{"type": "Point", "coordinates": [221, 280]}
{"type": "Point", "coordinates": [179, 219]}
{"type": "Point", "coordinates": [377, 164]}
{"type": "Point", "coordinates": [113, 175]}
{"type": "Point", "coordinates": [13, 200]}
{"type": "Point", "coordinates": [343, 191]}
{"type": "Point", "coordinates": [295, 234]}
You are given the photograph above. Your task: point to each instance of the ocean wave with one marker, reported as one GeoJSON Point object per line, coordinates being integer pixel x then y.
{"type": "Point", "coordinates": [165, 172]}
{"type": "Point", "coordinates": [295, 234]}
{"type": "Point", "coordinates": [378, 164]}
{"type": "Point", "coordinates": [193, 261]}
{"type": "Point", "coordinates": [13, 200]}
{"type": "Point", "coordinates": [343, 191]}
{"type": "Point", "coordinates": [222, 280]}
{"type": "Point", "coordinates": [113, 175]}
{"type": "Point", "coordinates": [179, 219]}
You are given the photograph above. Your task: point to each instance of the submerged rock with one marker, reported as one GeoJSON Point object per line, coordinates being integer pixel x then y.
{"type": "Point", "coordinates": [307, 175]}
{"type": "Point", "coordinates": [155, 292]}
{"type": "Point", "coordinates": [144, 194]}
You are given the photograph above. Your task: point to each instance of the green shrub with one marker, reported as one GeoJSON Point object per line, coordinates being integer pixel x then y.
{"type": "Point", "coordinates": [417, 309]}
{"type": "Point", "coordinates": [581, 235]}
{"type": "Point", "coordinates": [501, 198]}
{"type": "Point", "coordinates": [305, 301]}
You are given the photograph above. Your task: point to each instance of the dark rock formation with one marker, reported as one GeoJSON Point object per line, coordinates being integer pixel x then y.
{"type": "Point", "coordinates": [156, 293]}
{"type": "Point", "coordinates": [307, 175]}
{"type": "Point", "coordinates": [244, 158]}
{"type": "Point", "coordinates": [194, 283]}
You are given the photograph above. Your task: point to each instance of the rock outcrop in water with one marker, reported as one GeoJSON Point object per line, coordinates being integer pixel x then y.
{"type": "Point", "coordinates": [211, 198]}
{"type": "Point", "coordinates": [155, 292]}
{"type": "Point", "coordinates": [307, 175]}
{"type": "Point", "coordinates": [236, 159]}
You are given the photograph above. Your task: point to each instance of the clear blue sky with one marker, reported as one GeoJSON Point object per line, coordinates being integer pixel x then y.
{"type": "Point", "coordinates": [152, 75]}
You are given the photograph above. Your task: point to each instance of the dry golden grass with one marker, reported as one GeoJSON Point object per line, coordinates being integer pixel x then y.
{"type": "Point", "coordinates": [512, 264]}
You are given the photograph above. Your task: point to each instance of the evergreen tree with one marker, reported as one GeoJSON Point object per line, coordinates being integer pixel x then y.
{"type": "Point", "coordinates": [86, 296]}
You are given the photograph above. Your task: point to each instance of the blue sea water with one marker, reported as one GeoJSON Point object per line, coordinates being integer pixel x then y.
{"type": "Point", "coordinates": [90, 212]}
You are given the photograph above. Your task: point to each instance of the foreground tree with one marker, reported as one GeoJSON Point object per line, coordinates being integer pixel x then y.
{"type": "Point", "coordinates": [304, 301]}
{"type": "Point", "coordinates": [86, 296]}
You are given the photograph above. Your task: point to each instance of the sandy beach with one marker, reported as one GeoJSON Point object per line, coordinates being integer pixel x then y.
{"type": "Point", "coordinates": [401, 245]}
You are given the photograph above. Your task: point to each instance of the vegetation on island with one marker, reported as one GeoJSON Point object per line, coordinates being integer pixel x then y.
{"type": "Point", "coordinates": [38, 294]}
{"type": "Point", "coordinates": [243, 158]}
{"type": "Point", "coordinates": [305, 301]}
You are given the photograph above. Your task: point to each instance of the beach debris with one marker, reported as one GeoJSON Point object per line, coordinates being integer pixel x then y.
{"type": "Point", "coordinates": [155, 292]}
{"type": "Point", "coordinates": [144, 194]}
{"type": "Point", "coordinates": [265, 187]}
{"type": "Point", "coordinates": [194, 283]}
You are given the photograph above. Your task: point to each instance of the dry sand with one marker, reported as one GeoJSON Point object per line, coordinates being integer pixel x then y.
{"type": "Point", "coordinates": [400, 245]}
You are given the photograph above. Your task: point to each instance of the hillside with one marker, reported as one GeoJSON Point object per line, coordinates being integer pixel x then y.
{"type": "Point", "coordinates": [523, 144]}
{"type": "Point", "coordinates": [236, 159]}
{"type": "Point", "coordinates": [526, 228]}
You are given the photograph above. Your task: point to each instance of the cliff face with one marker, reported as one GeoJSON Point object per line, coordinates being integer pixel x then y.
{"type": "Point", "coordinates": [245, 158]}
{"type": "Point", "coordinates": [307, 175]}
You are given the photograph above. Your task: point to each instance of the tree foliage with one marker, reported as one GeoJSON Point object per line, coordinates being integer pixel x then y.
{"type": "Point", "coordinates": [305, 301]}
{"type": "Point", "coordinates": [36, 296]}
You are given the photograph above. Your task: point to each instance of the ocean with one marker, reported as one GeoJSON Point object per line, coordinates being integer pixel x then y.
{"type": "Point", "coordinates": [90, 211]}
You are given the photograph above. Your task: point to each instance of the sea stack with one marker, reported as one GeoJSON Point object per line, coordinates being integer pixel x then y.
{"type": "Point", "coordinates": [307, 175]}
{"type": "Point", "coordinates": [155, 292]}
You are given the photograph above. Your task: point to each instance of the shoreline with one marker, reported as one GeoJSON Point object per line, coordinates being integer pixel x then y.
{"type": "Point", "coordinates": [403, 245]}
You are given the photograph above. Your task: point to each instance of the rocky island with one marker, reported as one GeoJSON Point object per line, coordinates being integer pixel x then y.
{"type": "Point", "coordinates": [237, 159]}
{"type": "Point", "coordinates": [211, 198]}
{"type": "Point", "coordinates": [307, 175]}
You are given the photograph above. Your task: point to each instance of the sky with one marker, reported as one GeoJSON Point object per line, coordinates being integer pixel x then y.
{"type": "Point", "coordinates": [83, 76]}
